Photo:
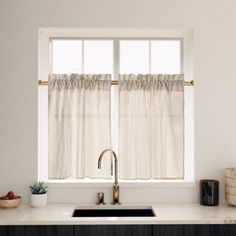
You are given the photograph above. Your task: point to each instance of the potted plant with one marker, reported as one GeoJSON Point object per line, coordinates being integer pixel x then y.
{"type": "Point", "coordinates": [38, 194]}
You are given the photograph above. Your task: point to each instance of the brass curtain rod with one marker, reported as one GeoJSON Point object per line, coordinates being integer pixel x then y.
{"type": "Point", "coordinates": [115, 82]}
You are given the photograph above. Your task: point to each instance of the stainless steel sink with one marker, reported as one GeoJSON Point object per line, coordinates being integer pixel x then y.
{"type": "Point", "coordinates": [114, 212]}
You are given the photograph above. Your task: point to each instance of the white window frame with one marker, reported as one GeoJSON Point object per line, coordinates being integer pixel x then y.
{"type": "Point", "coordinates": [44, 58]}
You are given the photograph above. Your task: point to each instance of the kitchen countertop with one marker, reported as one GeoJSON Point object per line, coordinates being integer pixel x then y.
{"type": "Point", "coordinates": [61, 214]}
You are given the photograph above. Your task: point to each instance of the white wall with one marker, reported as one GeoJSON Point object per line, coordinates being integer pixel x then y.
{"type": "Point", "coordinates": [214, 24]}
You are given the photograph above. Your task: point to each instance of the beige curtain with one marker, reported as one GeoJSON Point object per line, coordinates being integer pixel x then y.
{"type": "Point", "coordinates": [151, 125]}
{"type": "Point", "coordinates": [79, 125]}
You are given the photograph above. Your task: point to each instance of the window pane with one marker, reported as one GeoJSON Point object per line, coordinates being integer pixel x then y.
{"type": "Point", "coordinates": [67, 56]}
{"type": "Point", "coordinates": [165, 57]}
{"type": "Point", "coordinates": [98, 56]}
{"type": "Point", "coordinates": [134, 57]}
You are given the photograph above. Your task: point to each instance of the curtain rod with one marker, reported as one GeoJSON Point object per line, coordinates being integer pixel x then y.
{"type": "Point", "coordinates": [115, 82]}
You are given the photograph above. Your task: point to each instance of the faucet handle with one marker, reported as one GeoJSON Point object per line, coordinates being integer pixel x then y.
{"type": "Point", "coordinates": [100, 199]}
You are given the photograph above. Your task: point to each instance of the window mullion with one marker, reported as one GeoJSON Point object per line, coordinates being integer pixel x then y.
{"type": "Point", "coordinates": [82, 57]}
{"type": "Point", "coordinates": [181, 56]}
{"type": "Point", "coordinates": [116, 58]}
{"type": "Point", "coordinates": [150, 57]}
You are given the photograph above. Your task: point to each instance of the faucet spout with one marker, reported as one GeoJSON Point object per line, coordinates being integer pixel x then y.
{"type": "Point", "coordinates": [116, 185]}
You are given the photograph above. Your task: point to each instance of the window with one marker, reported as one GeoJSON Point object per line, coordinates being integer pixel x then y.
{"type": "Point", "coordinates": [82, 56]}
{"type": "Point", "coordinates": [67, 51]}
{"type": "Point", "coordinates": [150, 56]}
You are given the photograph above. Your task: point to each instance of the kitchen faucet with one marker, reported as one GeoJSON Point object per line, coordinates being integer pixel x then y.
{"type": "Point", "coordinates": [116, 189]}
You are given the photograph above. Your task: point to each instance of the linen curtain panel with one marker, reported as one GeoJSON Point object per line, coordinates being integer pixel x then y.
{"type": "Point", "coordinates": [151, 125]}
{"type": "Point", "coordinates": [79, 125]}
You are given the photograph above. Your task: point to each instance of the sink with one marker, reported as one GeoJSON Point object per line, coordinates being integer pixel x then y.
{"type": "Point", "coordinates": [114, 212]}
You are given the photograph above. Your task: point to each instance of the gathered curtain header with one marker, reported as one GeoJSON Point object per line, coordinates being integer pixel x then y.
{"type": "Point", "coordinates": [151, 81]}
{"type": "Point", "coordinates": [80, 81]}
{"type": "Point", "coordinates": [126, 81]}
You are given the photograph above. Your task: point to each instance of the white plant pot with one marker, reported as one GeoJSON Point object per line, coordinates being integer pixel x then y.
{"type": "Point", "coordinates": [39, 200]}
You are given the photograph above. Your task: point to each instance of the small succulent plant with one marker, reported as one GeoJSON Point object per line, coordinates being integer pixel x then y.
{"type": "Point", "coordinates": [38, 188]}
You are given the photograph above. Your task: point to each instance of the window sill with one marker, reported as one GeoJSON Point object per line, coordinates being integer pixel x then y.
{"type": "Point", "coordinates": [122, 183]}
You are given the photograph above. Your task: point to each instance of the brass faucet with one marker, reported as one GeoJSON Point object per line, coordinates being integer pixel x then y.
{"type": "Point", "coordinates": [116, 189]}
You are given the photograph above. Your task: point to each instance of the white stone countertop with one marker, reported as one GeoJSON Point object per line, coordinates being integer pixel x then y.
{"type": "Point", "coordinates": [61, 214]}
